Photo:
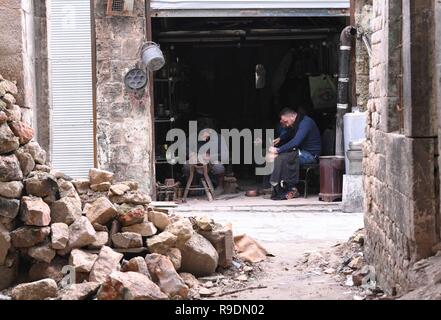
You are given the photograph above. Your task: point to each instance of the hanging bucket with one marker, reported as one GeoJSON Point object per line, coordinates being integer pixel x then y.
{"type": "Point", "coordinates": [152, 56]}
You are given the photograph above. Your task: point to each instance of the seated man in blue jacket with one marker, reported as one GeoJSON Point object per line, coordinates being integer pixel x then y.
{"type": "Point", "coordinates": [299, 143]}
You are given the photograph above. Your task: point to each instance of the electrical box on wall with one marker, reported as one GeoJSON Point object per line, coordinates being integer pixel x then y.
{"type": "Point", "coordinates": [120, 8]}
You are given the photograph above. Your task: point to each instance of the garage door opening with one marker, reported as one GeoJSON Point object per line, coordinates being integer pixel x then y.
{"type": "Point", "coordinates": [240, 73]}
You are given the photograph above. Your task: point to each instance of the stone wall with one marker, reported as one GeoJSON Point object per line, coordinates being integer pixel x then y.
{"type": "Point", "coordinates": [124, 133]}
{"type": "Point", "coordinates": [400, 161]}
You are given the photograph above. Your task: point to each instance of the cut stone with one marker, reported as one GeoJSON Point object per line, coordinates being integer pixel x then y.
{"type": "Point", "coordinates": [132, 197]}
{"type": "Point", "coordinates": [35, 212]}
{"type": "Point", "coordinates": [42, 270]}
{"type": "Point", "coordinates": [81, 233]}
{"type": "Point", "coordinates": [12, 189]}
{"type": "Point", "coordinates": [129, 286]}
{"type": "Point", "coordinates": [145, 229]}
{"type": "Point", "coordinates": [8, 141]}
{"type": "Point", "coordinates": [9, 208]}
{"type": "Point", "coordinates": [97, 176]}
{"type": "Point", "coordinates": [221, 237]}
{"type": "Point", "coordinates": [102, 187]}
{"type": "Point", "coordinates": [199, 257]}
{"type": "Point", "coordinates": [119, 189]}
{"type": "Point", "coordinates": [162, 242]}
{"type": "Point", "coordinates": [163, 271]}
{"type": "Point", "coordinates": [34, 149]}
{"type": "Point", "coordinates": [60, 235]}
{"type": "Point", "coordinates": [42, 253]}
{"type": "Point", "coordinates": [27, 163]}
{"type": "Point", "coordinates": [128, 216]}
{"type": "Point", "coordinates": [81, 260]}
{"type": "Point", "coordinates": [102, 239]}
{"type": "Point", "coordinates": [182, 229]}
{"type": "Point", "coordinates": [42, 184]}
{"type": "Point", "coordinates": [65, 210]}
{"type": "Point", "coordinates": [175, 256]}
{"type": "Point", "coordinates": [159, 219]}
{"type": "Point", "coordinates": [26, 237]}
{"type": "Point", "coordinates": [38, 290]}
{"type": "Point", "coordinates": [136, 264]}
{"type": "Point", "coordinates": [10, 169]}
{"type": "Point", "coordinates": [108, 261]}
{"type": "Point", "coordinates": [101, 211]}
{"type": "Point", "coordinates": [81, 185]}
{"type": "Point", "coordinates": [127, 240]}
{"type": "Point", "coordinates": [21, 130]}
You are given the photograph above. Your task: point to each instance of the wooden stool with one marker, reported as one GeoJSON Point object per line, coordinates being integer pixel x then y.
{"type": "Point", "coordinates": [205, 180]}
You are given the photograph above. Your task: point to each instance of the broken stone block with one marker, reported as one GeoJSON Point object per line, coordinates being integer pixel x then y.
{"type": "Point", "coordinates": [11, 190]}
{"type": "Point", "coordinates": [9, 208]}
{"type": "Point", "coordinates": [102, 239]}
{"type": "Point", "coordinates": [102, 187]}
{"type": "Point", "coordinates": [59, 235]}
{"type": "Point", "coordinates": [35, 212]}
{"type": "Point", "coordinates": [10, 169]}
{"type": "Point", "coordinates": [145, 229]}
{"type": "Point", "coordinates": [9, 271]}
{"type": "Point", "coordinates": [175, 256]}
{"type": "Point", "coordinates": [42, 184]}
{"type": "Point", "coordinates": [42, 253]}
{"type": "Point", "coordinates": [128, 216]}
{"type": "Point", "coordinates": [136, 264]}
{"type": "Point", "coordinates": [101, 211]}
{"type": "Point", "coordinates": [27, 163]}
{"type": "Point", "coordinates": [26, 237]}
{"type": "Point", "coordinates": [204, 223]}
{"type": "Point", "coordinates": [38, 290]}
{"type": "Point", "coordinates": [127, 240]}
{"type": "Point", "coordinates": [67, 190]}
{"type": "Point", "coordinates": [221, 237]}
{"type": "Point", "coordinates": [108, 261]}
{"type": "Point", "coordinates": [162, 242]}
{"type": "Point", "coordinates": [42, 168]}
{"type": "Point", "coordinates": [9, 99]}
{"type": "Point", "coordinates": [79, 291]}
{"type": "Point", "coordinates": [65, 210]}
{"type": "Point", "coordinates": [97, 176]}
{"type": "Point", "coordinates": [81, 260]}
{"type": "Point", "coordinates": [21, 130]}
{"type": "Point", "coordinates": [42, 270]}
{"type": "Point", "coordinates": [199, 257]}
{"type": "Point", "coordinates": [129, 286]}
{"type": "Point", "coordinates": [159, 219]}
{"type": "Point", "coordinates": [119, 189]}
{"type": "Point", "coordinates": [190, 280]}
{"type": "Point", "coordinates": [8, 87]}
{"type": "Point", "coordinates": [34, 149]}
{"type": "Point", "coordinates": [8, 141]}
{"type": "Point", "coordinates": [133, 185]}
{"type": "Point", "coordinates": [81, 233]}
{"type": "Point", "coordinates": [13, 113]}
{"type": "Point", "coordinates": [132, 197]}
{"type": "Point", "coordinates": [182, 229]}
{"type": "Point", "coordinates": [81, 185]}
{"type": "Point", "coordinates": [5, 244]}
{"type": "Point", "coordinates": [3, 117]}
{"type": "Point", "coordinates": [164, 273]}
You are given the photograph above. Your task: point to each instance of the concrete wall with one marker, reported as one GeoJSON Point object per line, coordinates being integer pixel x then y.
{"type": "Point", "coordinates": [400, 155]}
{"type": "Point", "coordinates": [124, 132]}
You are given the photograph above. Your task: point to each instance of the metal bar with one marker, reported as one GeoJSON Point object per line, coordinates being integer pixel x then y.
{"type": "Point", "coordinates": [180, 13]}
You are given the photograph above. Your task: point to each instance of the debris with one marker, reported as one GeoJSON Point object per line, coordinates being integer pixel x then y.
{"type": "Point", "coordinates": [205, 292]}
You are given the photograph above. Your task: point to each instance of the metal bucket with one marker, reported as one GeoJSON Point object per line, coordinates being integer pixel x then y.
{"type": "Point", "coordinates": [152, 56]}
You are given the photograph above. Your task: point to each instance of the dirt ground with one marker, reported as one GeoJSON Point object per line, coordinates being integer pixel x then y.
{"type": "Point", "coordinates": [304, 248]}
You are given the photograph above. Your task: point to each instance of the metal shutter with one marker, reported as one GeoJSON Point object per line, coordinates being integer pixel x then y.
{"type": "Point", "coordinates": [70, 54]}
{"type": "Point", "coordinates": [248, 4]}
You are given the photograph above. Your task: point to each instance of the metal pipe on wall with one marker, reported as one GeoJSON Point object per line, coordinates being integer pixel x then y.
{"type": "Point", "coordinates": [346, 37]}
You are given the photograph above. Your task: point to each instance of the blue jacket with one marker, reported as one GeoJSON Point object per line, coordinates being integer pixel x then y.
{"type": "Point", "coordinates": [306, 138]}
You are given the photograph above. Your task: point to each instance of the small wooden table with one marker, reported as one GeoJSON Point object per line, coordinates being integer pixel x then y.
{"type": "Point", "coordinates": [205, 180]}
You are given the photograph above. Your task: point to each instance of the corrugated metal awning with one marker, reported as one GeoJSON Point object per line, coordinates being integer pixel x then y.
{"type": "Point", "coordinates": [250, 7]}
{"type": "Point", "coordinates": [70, 54]}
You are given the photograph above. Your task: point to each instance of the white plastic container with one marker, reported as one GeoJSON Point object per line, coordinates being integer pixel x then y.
{"type": "Point", "coordinates": [354, 129]}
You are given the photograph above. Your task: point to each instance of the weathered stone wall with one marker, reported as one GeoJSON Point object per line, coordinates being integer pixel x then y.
{"type": "Point", "coordinates": [400, 164]}
{"type": "Point", "coordinates": [363, 14]}
{"type": "Point", "coordinates": [123, 124]}
{"type": "Point", "coordinates": [17, 51]}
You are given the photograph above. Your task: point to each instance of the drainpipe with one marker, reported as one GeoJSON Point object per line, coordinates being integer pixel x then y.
{"type": "Point", "coordinates": [346, 37]}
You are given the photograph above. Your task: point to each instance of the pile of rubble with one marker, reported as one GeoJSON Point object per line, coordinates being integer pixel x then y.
{"type": "Point", "coordinates": [62, 238]}
{"type": "Point", "coordinates": [346, 263]}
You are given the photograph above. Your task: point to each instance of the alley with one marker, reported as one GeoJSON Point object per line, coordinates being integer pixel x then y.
{"type": "Point", "coordinates": [288, 236]}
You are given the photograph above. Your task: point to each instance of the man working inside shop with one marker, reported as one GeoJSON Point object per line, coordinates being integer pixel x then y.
{"type": "Point", "coordinates": [212, 159]}
{"type": "Point", "coordinates": [299, 143]}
